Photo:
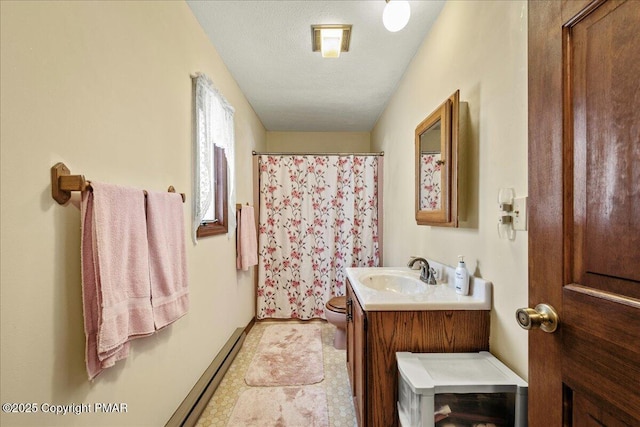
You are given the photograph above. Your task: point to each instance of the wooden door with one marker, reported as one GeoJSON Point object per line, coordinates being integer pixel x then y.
{"type": "Point", "coordinates": [584, 194]}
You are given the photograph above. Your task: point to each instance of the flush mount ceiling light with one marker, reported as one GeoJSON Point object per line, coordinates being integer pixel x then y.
{"type": "Point", "coordinates": [330, 39]}
{"type": "Point", "coordinates": [396, 15]}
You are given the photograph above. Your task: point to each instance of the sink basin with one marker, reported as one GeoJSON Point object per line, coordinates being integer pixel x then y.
{"type": "Point", "coordinates": [393, 282]}
{"type": "Point", "coordinates": [400, 289]}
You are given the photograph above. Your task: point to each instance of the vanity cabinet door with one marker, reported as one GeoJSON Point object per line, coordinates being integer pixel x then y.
{"type": "Point", "coordinates": [360, 362]}
{"type": "Point", "coordinates": [350, 340]}
{"type": "Point", "coordinates": [356, 351]}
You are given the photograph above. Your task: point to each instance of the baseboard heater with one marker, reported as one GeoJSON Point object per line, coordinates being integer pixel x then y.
{"type": "Point", "coordinates": [191, 408]}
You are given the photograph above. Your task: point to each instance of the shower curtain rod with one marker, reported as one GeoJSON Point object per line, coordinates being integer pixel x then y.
{"type": "Point", "coordinates": [255, 153]}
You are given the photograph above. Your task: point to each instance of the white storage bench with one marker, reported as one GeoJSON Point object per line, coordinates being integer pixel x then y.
{"type": "Point", "coordinates": [459, 389]}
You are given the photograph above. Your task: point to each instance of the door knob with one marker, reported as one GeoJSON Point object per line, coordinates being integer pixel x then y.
{"type": "Point", "coordinates": [543, 316]}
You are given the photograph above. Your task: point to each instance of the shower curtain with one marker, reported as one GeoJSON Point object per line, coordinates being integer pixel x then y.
{"type": "Point", "coordinates": [318, 215]}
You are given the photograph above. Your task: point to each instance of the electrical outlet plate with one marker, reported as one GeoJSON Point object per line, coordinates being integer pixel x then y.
{"type": "Point", "coordinates": [520, 213]}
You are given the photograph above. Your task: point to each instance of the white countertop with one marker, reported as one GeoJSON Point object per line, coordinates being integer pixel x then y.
{"type": "Point", "coordinates": [428, 297]}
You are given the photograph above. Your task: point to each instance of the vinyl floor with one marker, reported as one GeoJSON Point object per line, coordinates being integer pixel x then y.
{"type": "Point", "coordinates": [335, 383]}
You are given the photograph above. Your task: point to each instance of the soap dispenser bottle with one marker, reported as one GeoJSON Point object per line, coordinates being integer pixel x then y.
{"type": "Point", "coordinates": [462, 277]}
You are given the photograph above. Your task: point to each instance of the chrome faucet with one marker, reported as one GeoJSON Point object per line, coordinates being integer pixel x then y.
{"type": "Point", "coordinates": [427, 274]}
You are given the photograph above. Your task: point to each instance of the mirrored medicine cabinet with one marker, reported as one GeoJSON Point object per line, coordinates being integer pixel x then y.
{"type": "Point", "coordinates": [436, 151]}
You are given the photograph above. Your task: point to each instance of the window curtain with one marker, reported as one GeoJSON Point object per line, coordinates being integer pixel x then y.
{"type": "Point", "coordinates": [213, 125]}
{"type": "Point", "coordinates": [318, 215]}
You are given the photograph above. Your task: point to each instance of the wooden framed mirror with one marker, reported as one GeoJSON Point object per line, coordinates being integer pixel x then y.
{"type": "Point", "coordinates": [436, 148]}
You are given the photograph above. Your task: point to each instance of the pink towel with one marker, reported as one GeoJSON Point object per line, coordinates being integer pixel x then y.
{"type": "Point", "coordinates": [167, 257]}
{"type": "Point", "coordinates": [247, 244]}
{"type": "Point", "coordinates": [115, 273]}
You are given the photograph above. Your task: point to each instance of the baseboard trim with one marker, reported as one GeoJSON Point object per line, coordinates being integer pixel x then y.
{"type": "Point", "coordinates": [191, 408]}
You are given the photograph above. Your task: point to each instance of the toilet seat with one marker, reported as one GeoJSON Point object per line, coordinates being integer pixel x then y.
{"type": "Point", "coordinates": [337, 304]}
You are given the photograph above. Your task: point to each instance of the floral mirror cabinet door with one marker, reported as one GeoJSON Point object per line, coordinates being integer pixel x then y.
{"type": "Point", "coordinates": [437, 166]}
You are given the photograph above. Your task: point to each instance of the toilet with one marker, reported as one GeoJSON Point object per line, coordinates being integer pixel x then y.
{"type": "Point", "coordinates": [336, 314]}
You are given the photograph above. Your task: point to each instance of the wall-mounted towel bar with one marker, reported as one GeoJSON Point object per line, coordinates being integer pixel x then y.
{"type": "Point", "coordinates": [63, 183]}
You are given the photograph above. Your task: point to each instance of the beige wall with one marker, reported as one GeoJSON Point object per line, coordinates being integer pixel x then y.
{"type": "Point", "coordinates": [319, 142]}
{"type": "Point", "coordinates": [481, 49]}
{"type": "Point", "coordinates": [105, 87]}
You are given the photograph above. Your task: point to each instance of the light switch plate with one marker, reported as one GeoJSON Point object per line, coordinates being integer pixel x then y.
{"type": "Point", "coordinates": [520, 213]}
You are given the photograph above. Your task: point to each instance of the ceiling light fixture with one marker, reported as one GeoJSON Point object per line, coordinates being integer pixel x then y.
{"type": "Point", "coordinates": [396, 15]}
{"type": "Point", "coordinates": [331, 40]}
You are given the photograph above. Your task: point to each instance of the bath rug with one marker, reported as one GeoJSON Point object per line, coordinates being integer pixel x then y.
{"type": "Point", "coordinates": [281, 407]}
{"type": "Point", "coordinates": [287, 354]}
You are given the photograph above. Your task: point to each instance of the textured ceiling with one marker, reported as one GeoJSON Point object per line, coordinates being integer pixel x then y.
{"type": "Point", "coordinates": [267, 47]}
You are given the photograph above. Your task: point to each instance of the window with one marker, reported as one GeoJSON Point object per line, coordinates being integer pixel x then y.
{"type": "Point", "coordinates": [215, 218]}
{"type": "Point", "coordinates": [214, 146]}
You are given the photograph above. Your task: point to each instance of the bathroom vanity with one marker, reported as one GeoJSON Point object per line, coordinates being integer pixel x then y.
{"type": "Point", "coordinates": [391, 310]}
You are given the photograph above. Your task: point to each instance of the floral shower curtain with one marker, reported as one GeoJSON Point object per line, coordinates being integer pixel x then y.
{"type": "Point", "coordinates": [318, 215]}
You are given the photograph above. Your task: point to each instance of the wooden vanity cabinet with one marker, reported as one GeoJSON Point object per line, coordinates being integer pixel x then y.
{"type": "Point", "coordinates": [374, 337]}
